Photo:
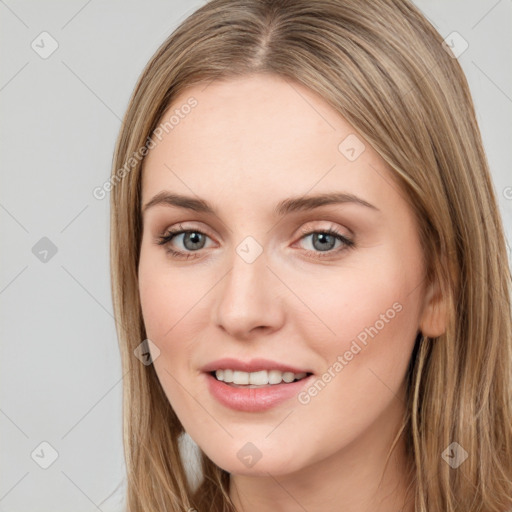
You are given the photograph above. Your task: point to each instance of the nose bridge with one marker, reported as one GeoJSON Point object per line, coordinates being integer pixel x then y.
{"type": "Point", "coordinates": [246, 298]}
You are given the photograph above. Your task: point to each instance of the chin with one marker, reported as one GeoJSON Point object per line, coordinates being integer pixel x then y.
{"type": "Point", "coordinates": [244, 458]}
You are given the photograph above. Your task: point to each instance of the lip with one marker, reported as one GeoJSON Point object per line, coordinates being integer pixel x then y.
{"type": "Point", "coordinates": [253, 399]}
{"type": "Point", "coordinates": [254, 365]}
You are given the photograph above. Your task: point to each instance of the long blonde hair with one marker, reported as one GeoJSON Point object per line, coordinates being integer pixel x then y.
{"type": "Point", "coordinates": [382, 66]}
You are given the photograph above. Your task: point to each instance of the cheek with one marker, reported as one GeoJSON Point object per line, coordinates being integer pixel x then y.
{"type": "Point", "coordinates": [369, 320]}
{"type": "Point", "coordinates": [365, 361]}
{"type": "Point", "coordinates": [176, 314]}
{"type": "Point", "coordinates": [375, 297]}
{"type": "Point", "coordinates": [166, 300]}
{"type": "Point", "coordinates": [167, 295]}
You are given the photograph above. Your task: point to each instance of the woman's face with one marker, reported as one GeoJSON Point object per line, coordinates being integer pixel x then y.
{"type": "Point", "coordinates": [258, 290]}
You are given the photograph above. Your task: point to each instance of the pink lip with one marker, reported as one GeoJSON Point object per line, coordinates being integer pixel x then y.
{"type": "Point", "coordinates": [254, 365]}
{"type": "Point", "coordinates": [254, 399]}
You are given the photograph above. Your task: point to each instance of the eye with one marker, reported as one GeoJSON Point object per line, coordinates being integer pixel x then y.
{"type": "Point", "coordinates": [192, 239]}
{"type": "Point", "coordinates": [323, 241]}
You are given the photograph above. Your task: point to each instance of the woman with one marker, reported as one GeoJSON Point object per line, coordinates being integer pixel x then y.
{"type": "Point", "coordinates": [371, 373]}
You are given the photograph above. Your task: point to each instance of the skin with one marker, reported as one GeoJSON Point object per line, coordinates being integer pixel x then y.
{"type": "Point", "coordinates": [249, 143]}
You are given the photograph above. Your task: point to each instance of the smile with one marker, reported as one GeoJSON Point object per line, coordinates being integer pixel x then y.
{"type": "Point", "coordinates": [257, 379]}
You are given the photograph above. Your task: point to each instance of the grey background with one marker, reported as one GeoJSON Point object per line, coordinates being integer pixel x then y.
{"type": "Point", "coordinates": [60, 366]}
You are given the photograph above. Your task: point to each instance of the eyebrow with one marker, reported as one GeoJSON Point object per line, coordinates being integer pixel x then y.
{"type": "Point", "coordinates": [290, 205]}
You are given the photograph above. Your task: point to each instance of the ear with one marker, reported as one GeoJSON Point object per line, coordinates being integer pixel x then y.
{"type": "Point", "coordinates": [433, 319]}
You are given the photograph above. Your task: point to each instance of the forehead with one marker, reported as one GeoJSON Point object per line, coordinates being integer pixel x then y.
{"type": "Point", "coordinates": [253, 110]}
{"type": "Point", "coordinates": [261, 135]}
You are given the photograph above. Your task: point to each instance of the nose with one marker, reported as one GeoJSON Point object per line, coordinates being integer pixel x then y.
{"type": "Point", "coordinates": [247, 300]}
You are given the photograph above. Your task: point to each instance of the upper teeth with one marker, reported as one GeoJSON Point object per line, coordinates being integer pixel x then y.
{"type": "Point", "coordinates": [260, 378]}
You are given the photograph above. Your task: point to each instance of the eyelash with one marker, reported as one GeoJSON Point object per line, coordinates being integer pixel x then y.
{"type": "Point", "coordinates": [167, 237]}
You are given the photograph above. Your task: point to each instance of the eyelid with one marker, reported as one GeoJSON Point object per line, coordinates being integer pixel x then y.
{"type": "Point", "coordinates": [307, 229]}
{"type": "Point", "coordinates": [183, 226]}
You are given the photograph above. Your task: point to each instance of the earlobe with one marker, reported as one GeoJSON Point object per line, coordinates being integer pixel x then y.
{"type": "Point", "coordinates": [434, 316]}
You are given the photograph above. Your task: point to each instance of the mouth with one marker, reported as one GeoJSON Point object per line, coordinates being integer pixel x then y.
{"type": "Point", "coordinates": [257, 391]}
{"type": "Point", "coordinates": [258, 379]}
{"type": "Point", "coordinates": [255, 386]}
